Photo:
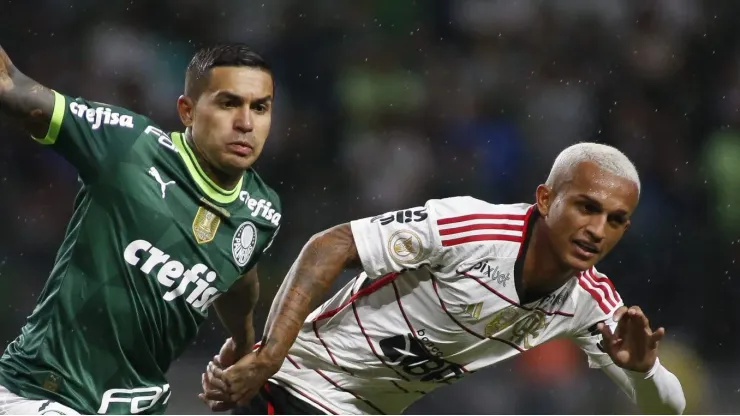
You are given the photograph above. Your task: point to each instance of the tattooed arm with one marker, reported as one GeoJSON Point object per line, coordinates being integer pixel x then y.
{"type": "Point", "coordinates": [23, 99]}
{"type": "Point", "coordinates": [382, 246]}
{"type": "Point", "coordinates": [318, 265]}
{"type": "Point", "coordinates": [322, 259]}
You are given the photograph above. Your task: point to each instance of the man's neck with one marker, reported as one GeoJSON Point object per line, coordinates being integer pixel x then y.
{"type": "Point", "coordinates": [222, 179]}
{"type": "Point", "coordinates": [542, 273]}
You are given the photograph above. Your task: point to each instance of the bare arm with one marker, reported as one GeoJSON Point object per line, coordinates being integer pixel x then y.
{"type": "Point", "coordinates": [23, 99]}
{"type": "Point", "coordinates": [235, 309]}
{"type": "Point", "coordinates": [319, 264]}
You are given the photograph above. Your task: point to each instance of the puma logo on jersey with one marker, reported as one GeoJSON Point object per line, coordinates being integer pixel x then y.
{"type": "Point", "coordinates": [260, 208]}
{"type": "Point", "coordinates": [162, 184]}
{"type": "Point", "coordinates": [172, 274]}
{"type": "Point", "coordinates": [100, 115]}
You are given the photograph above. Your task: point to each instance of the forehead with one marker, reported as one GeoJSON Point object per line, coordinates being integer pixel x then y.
{"type": "Point", "coordinates": [247, 82]}
{"type": "Point", "coordinates": [612, 191]}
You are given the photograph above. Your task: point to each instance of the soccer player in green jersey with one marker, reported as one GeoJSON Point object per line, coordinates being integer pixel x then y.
{"type": "Point", "coordinates": [165, 224]}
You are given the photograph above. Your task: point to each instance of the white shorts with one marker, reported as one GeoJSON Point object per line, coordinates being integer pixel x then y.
{"type": "Point", "coordinates": [13, 404]}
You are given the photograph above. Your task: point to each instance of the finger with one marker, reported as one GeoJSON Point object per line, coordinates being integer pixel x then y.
{"type": "Point", "coordinates": [656, 337]}
{"type": "Point", "coordinates": [639, 317]}
{"type": "Point", "coordinates": [217, 360]}
{"type": "Point", "coordinates": [213, 382]}
{"type": "Point", "coordinates": [215, 371]}
{"type": "Point", "coordinates": [606, 332]}
{"type": "Point", "coordinates": [216, 406]}
{"type": "Point", "coordinates": [623, 326]}
{"type": "Point", "coordinates": [619, 313]}
{"type": "Point", "coordinates": [215, 395]}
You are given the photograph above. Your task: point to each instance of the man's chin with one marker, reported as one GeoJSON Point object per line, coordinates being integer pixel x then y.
{"type": "Point", "coordinates": [579, 264]}
{"type": "Point", "coordinates": [236, 165]}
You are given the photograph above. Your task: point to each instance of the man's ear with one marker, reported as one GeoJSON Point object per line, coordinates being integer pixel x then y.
{"type": "Point", "coordinates": [543, 196]}
{"type": "Point", "coordinates": [186, 110]}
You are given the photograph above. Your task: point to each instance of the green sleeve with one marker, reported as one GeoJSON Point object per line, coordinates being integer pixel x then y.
{"type": "Point", "coordinates": [88, 133]}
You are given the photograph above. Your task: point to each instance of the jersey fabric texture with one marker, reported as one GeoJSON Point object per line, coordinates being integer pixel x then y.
{"type": "Point", "coordinates": [439, 298]}
{"type": "Point", "coordinates": [151, 244]}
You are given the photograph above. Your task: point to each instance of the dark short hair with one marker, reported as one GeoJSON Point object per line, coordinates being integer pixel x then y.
{"type": "Point", "coordinates": [225, 54]}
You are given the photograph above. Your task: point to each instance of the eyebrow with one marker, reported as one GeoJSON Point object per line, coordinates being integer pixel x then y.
{"type": "Point", "coordinates": [229, 95]}
{"type": "Point", "coordinates": [263, 100]}
{"type": "Point", "coordinates": [593, 201]}
{"type": "Point", "coordinates": [232, 96]}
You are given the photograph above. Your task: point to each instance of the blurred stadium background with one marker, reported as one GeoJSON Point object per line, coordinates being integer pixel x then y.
{"type": "Point", "coordinates": [382, 104]}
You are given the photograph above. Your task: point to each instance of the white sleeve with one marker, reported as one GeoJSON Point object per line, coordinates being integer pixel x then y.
{"type": "Point", "coordinates": [395, 241]}
{"type": "Point", "coordinates": [656, 392]}
{"type": "Point", "coordinates": [589, 340]}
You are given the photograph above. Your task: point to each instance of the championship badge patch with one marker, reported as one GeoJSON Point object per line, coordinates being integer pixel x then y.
{"type": "Point", "coordinates": [205, 225]}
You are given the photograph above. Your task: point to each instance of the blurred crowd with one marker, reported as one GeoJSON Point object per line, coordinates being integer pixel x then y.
{"type": "Point", "coordinates": [382, 104]}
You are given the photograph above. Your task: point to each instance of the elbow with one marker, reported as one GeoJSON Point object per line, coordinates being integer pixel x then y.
{"type": "Point", "coordinates": [335, 245]}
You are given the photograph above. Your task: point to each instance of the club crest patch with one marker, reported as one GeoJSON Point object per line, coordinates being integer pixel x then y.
{"type": "Point", "coordinates": [243, 243]}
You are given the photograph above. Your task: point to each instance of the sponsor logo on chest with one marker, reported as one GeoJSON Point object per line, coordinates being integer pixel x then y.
{"type": "Point", "coordinates": [194, 283]}
{"type": "Point", "coordinates": [495, 273]}
{"type": "Point", "coordinates": [260, 208]}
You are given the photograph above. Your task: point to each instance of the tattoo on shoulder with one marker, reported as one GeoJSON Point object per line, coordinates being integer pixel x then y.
{"type": "Point", "coordinates": [23, 99]}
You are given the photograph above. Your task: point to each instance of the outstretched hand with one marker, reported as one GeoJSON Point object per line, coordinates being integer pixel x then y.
{"type": "Point", "coordinates": [633, 345]}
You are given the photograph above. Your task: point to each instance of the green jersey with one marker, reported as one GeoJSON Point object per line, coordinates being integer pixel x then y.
{"type": "Point", "coordinates": [151, 244]}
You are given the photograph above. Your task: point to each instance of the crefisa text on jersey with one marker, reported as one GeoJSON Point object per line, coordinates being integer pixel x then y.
{"type": "Point", "coordinates": [100, 115]}
{"type": "Point", "coordinates": [198, 276]}
{"type": "Point", "coordinates": [260, 208]}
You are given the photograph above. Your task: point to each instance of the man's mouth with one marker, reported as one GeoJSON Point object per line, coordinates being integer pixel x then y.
{"type": "Point", "coordinates": [240, 148]}
{"type": "Point", "coordinates": [586, 246]}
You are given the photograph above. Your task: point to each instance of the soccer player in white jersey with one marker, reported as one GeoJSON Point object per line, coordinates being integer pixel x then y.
{"type": "Point", "coordinates": [449, 288]}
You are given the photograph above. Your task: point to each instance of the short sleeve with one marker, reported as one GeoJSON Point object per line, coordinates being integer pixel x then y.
{"type": "Point", "coordinates": [392, 242]}
{"type": "Point", "coordinates": [598, 302]}
{"type": "Point", "coordinates": [86, 133]}
{"type": "Point", "coordinates": [590, 340]}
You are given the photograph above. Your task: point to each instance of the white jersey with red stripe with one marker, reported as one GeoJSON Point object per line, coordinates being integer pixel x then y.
{"type": "Point", "coordinates": [438, 299]}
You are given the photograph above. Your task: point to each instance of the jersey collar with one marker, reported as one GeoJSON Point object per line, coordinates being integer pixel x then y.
{"type": "Point", "coordinates": [206, 185]}
{"type": "Point", "coordinates": [529, 220]}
